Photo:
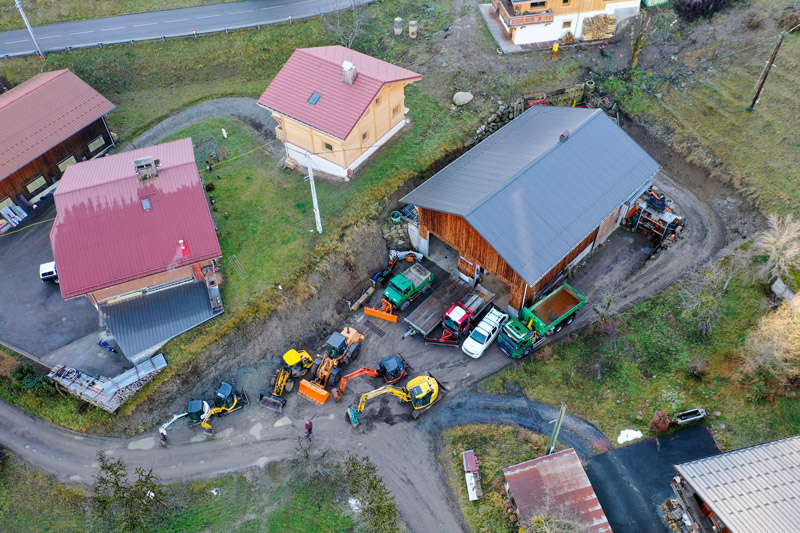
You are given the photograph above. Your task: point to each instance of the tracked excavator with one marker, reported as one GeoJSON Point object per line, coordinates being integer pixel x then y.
{"type": "Point", "coordinates": [342, 348]}
{"type": "Point", "coordinates": [295, 364]}
{"type": "Point", "coordinates": [227, 400]}
{"type": "Point", "coordinates": [423, 392]}
{"type": "Point", "coordinates": [392, 369]}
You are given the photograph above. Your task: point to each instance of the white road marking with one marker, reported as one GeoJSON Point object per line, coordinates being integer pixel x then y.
{"type": "Point", "coordinates": [273, 7]}
{"type": "Point", "coordinates": [148, 24]}
{"type": "Point", "coordinates": [208, 17]}
{"type": "Point", "coordinates": [176, 20]}
{"type": "Point", "coordinates": [111, 29]}
{"type": "Point", "coordinates": [20, 41]}
{"type": "Point", "coordinates": [81, 32]}
{"type": "Point", "coordinates": [238, 12]}
{"type": "Point", "coordinates": [49, 37]}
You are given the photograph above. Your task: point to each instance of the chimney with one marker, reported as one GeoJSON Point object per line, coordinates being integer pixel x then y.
{"type": "Point", "coordinates": [349, 73]}
{"type": "Point", "coordinates": [182, 244]}
{"type": "Point", "coordinates": [146, 167]}
{"type": "Point", "coordinates": [564, 136]}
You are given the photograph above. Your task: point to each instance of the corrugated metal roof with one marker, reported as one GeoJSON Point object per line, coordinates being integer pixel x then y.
{"type": "Point", "coordinates": [557, 480]}
{"type": "Point", "coordinates": [534, 198]}
{"type": "Point", "coordinates": [103, 235]}
{"type": "Point", "coordinates": [319, 70]}
{"type": "Point", "coordinates": [139, 324]}
{"type": "Point", "coordinates": [752, 490]}
{"type": "Point", "coordinates": [43, 111]}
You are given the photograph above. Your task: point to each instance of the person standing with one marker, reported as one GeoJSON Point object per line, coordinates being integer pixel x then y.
{"type": "Point", "coordinates": [309, 428]}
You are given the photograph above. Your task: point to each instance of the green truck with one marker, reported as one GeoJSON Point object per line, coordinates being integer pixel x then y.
{"type": "Point", "coordinates": [404, 287]}
{"type": "Point", "coordinates": [547, 316]}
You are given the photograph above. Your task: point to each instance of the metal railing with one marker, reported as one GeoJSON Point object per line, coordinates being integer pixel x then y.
{"type": "Point", "coordinates": [544, 17]}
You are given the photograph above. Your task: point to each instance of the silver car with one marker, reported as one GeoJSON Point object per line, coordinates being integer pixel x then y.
{"type": "Point", "coordinates": [484, 333]}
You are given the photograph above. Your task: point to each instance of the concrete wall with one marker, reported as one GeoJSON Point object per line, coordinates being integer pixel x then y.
{"type": "Point", "coordinates": [536, 33]}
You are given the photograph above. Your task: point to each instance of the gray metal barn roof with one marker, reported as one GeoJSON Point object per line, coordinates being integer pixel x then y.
{"type": "Point", "coordinates": [142, 324]}
{"type": "Point", "coordinates": [534, 198]}
{"type": "Point", "coordinates": [752, 490]}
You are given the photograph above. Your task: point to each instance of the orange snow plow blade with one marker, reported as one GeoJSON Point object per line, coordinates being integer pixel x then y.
{"type": "Point", "coordinates": [385, 312]}
{"type": "Point", "coordinates": [313, 392]}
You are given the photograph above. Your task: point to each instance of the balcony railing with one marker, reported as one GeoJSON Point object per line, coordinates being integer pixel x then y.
{"type": "Point", "coordinates": [543, 17]}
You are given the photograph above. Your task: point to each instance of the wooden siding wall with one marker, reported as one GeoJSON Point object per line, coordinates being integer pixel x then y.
{"type": "Point", "coordinates": [457, 233]}
{"type": "Point", "coordinates": [376, 121]}
{"type": "Point", "coordinates": [558, 7]}
{"type": "Point", "coordinates": [47, 164]}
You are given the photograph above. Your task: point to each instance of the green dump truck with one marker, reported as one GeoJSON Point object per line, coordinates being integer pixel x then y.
{"type": "Point", "coordinates": [547, 316]}
{"type": "Point", "coordinates": [404, 287]}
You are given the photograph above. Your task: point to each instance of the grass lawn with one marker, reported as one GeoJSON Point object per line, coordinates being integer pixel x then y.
{"type": "Point", "coordinates": [497, 447]}
{"type": "Point", "coordinates": [41, 12]}
{"type": "Point", "coordinates": [289, 498]}
{"type": "Point", "coordinates": [649, 371]}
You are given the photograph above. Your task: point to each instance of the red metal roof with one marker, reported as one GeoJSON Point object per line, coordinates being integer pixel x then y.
{"type": "Point", "coordinates": [560, 479]}
{"type": "Point", "coordinates": [103, 236]}
{"type": "Point", "coordinates": [42, 112]}
{"type": "Point", "coordinates": [319, 70]}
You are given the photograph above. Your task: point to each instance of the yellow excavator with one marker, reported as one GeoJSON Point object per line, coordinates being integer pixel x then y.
{"type": "Point", "coordinates": [226, 401]}
{"type": "Point", "coordinates": [422, 391]}
{"type": "Point", "coordinates": [342, 348]}
{"type": "Point", "coordinates": [295, 364]}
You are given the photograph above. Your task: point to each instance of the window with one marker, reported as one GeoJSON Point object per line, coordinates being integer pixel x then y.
{"type": "Point", "coordinates": [396, 110]}
{"type": "Point", "coordinates": [62, 166]}
{"type": "Point", "coordinates": [564, 2]}
{"type": "Point", "coordinates": [538, 4]}
{"type": "Point", "coordinates": [5, 202]}
{"type": "Point", "coordinates": [328, 147]}
{"type": "Point", "coordinates": [36, 185]}
{"type": "Point", "coordinates": [314, 98]}
{"type": "Point", "coordinates": [378, 100]}
{"type": "Point", "coordinates": [566, 24]}
{"type": "Point", "coordinates": [96, 144]}
{"type": "Point", "coordinates": [146, 204]}
{"type": "Point", "coordinates": [365, 136]}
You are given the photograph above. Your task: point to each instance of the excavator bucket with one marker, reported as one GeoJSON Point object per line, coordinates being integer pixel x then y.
{"type": "Point", "coordinates": [313, 392]}
{"type": "Point", "coordinates": [273, 403]}
{"type": "Point", "coordinates": [353, 416]}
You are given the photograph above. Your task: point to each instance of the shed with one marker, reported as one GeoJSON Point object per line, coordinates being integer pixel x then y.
{"type": "Point", "coordinates": [533, 198]}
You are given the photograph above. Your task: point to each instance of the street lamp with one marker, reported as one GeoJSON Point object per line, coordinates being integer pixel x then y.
{"type": "Point", "coordinates": [30, 30]}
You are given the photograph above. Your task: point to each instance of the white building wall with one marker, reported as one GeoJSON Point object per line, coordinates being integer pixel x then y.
{"type": "Point", "coordinates": [537, 33]}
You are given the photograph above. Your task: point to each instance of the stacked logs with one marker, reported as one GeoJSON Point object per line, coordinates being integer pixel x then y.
{"type": "Point", "coordinates": [599, 27]}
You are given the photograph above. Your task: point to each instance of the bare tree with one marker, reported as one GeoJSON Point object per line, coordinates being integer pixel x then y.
{"type": "Point", "coordinates": [780, 242]}
{"type": "Point", "coordinates": [774, 345]}
{"type": "Point", "coordinates": [128, 505]}
{"type": "Point", "coordinates": [701, 295]}
{"type": "Point", "coordinates": [553, 517]}
{"type": "Point", "coordinates": [641, 37]}
{"type": "Point", "coordinates": [346, 25]}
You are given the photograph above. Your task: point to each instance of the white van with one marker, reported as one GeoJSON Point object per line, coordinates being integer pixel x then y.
{"type": "Point", "coordinates": [48, 272]}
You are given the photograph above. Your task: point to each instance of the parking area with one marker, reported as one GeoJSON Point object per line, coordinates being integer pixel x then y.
{"type": "Point", "coordinates": [33, 317]}
{"type": "Point", "coordinates": [632, 482]}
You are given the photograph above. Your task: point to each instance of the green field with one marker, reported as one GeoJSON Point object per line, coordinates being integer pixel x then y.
{"type": "Point", "coordinates": [289, 498]}
{"type": "Point", "coordinates": [41, 12]}
{"type": "Point", "coordinates": [620, 387]}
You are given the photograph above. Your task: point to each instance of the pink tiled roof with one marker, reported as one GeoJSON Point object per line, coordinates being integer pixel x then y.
{"type": "Point", "coordinates": [319, 70]}
{"type": "Point", "coordinates": [103, 236]}
{"type": "Point", "coordinates": [42, 112]}
{"type": "Point", "coordinates": [560, 479]}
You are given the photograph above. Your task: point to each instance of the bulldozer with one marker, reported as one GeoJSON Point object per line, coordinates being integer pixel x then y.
{"type": "Point", "coordinates": [295, 364]}
{"type": "Point", "coordinates": [227, 400]}
{"type": "Point", "coordinates": [392, 369]}
{"type": "Point", "coordinates": [422, 391]}
{"type": "Point", "coordinates": [342, 348]}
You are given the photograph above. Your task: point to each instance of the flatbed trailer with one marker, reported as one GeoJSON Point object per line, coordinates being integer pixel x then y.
{"type": "Point", "coordinates": [428, 315]}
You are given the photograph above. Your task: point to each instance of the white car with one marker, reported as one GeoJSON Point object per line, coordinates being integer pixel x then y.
{"type": "Point", "coordinates": [484, 333]}
{"type": "Point", "coordinates": [48, 272]}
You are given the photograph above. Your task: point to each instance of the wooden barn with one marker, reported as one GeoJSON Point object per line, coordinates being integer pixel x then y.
{"type": "Point", "coordinates": [49, 122]}
{"type": "Point", "coordinates": [534, 198]}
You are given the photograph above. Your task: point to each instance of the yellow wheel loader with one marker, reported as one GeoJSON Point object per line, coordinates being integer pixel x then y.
{"type": "Point", "coordinates": [422, 391]}
{"type": "Point", "coordinates": [342, 348]}
{"type": "Point", "coordinates": [295, 364]}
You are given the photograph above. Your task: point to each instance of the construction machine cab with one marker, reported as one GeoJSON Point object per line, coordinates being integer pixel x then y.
{"type": "Point", "coordinates": [337, 345]}
{"type": "Point", "coordinates": [392, 368]}
{"type": "Point", "coordinates": [424, 393]}
{"type": "Point", "coordinates": [297, 363]}
{"type": "Point", "coordinates": [345, 345]}
{"type": "Point", "coordinates": [226, 396]}
{"type": "Point", "coordinates": [197, 410]}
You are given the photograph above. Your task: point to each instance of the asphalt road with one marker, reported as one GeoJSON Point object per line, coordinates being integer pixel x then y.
{"type": "Point", "coordinates": [162, 24]}
{"type": "Point", "coordinates": [632, 482]}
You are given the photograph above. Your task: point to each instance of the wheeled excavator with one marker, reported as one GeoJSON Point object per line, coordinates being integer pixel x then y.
{"type": "Point", "coordinates": [422, 391]}
{"type": "Point", "coordinates": [295, 364]}
{"type": "Point", "coordinates": [392, 369]}
{"type": "Point", "coordinates": [342, 348]}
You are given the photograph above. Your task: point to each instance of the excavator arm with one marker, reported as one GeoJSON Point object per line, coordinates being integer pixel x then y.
{"type": "Point", "coordinates": [354, 414]}
{"type": "Point", "coordinates": [217, 410]}
{"type": "Point", "coordinates": [337, 395]}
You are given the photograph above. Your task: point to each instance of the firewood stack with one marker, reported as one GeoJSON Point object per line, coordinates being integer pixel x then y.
{"type": "Point", "coordinates": [568, 38]}
{"type": "Point", "coordinates": [599, 27]}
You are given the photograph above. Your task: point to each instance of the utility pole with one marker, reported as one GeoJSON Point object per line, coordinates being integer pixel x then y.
{"type": "Point", "coordinates": [763, 78]}
{"type": "Point", "coordinates": [556, 429]}
{"type": "Point", "coordinates": [310, 179]}
{"type": "Point", "coordinates": [18, 4]}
